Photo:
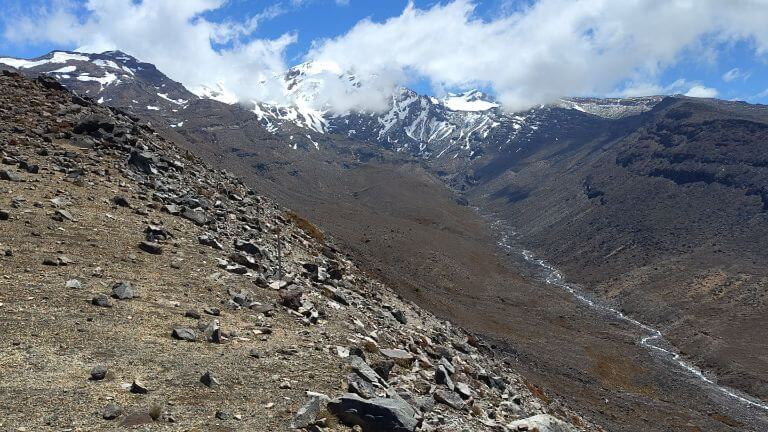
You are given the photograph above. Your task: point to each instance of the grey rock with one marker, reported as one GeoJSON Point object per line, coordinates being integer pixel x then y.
{"type": "Point", "coordinates": [401, 357]}
{"type": "Point", "coordinates": [450, 398]}
{"type": "Point", "coordinates": [73, 284]}
{"type": "Point", "coordinates": [463, 390]}
{"type": "Point", "coordinates": [209, 240]}
{"type": "Point", "coordinates": [374, 415]}
{"type": "Point", "coordinates": [151, 247]}
{"type": "Point", "coordinates": [9, 176]}
{"type": "Point", "coordinates": [399, 316]}
{"type": "Point", "coordinates": [138, 387]}
{"type": "Point", "coordinates": [123, 290]}
{"type": "Point", "coordinates": [307, 415]}
{"type": "Point", "coordinates": [541, 423]}
{"type": "Point", "coordinates": [197, 216]}
{"type": "Point", "coordinates": [223, 415]}
{"type": "Point", "coordinates": [121, 201]}
{"type": "Point", "coordinates": [192, 314]}
{"type": "Point", "coordinates": [184, 333]}
{"type": "Point", "coordinates": [366, 372]}
{"type": "Point", "coordinates": [98, 373]}
{"type": "Point", "coordinates": [111, 412]}
{"type": "Point", "coordinates": [62, 215]}
{"type": "Point", "coordinates": [358, 385]}
{"type": "Point", "coordinates": [213, 332]}
{"type": "Point", "coordinates": [101, 300]}
{"type": "Point", "coordinates": [209, 380]}
{"type": "Point", "coordinates": [442, 377]}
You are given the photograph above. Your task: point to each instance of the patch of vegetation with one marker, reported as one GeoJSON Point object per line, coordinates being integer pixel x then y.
{"type": "Point", "coordinates": [308, 227]}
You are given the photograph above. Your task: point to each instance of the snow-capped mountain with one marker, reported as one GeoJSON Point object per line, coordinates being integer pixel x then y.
{"type": "Point", "coordinates": [113, 78]}
{"type": "Point", "coordinates": [464, 125]}
{"type": "Point", "coordinates": [458, 125]}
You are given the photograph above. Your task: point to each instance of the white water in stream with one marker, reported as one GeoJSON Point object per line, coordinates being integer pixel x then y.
{"type": "Point", "coordinates": [652, 338]}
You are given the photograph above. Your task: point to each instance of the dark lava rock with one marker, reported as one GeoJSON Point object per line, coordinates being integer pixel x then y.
{"type": "Point", "coordinates": [101, 300]}
{"type": "Point", "coordinates": [111, 412]}
{"type": "Point", "coordinates": [121, 201]}
{"type": "Point", "coordinates": [399, 316]}
{"type": "Point", "coordinates": [184, 333]}
{"type": "Point", "coordinates": [209, 380]}
{"type": "Point", "coordinates": [98, 373]}
{"type": "Point", "coordinates": [5, 215]}
{"type": "Point", "coordinates": [374, 415]}
{"type": "Point", "coordinates": [383, 368]}
{"type": "Point", "coordinates": [138, 387]}
{"type": "Point", "coordinates": [123, 290]}
{"type": "Point", "coordinates": [151, 247]}
{"type": "Point", "coordinates": [144, 161]}
{"type": "Point", "coordinates": [92, 123]}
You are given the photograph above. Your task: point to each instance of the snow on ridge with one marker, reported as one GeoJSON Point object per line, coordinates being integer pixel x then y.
{"type": "Point", "coordinates": [56, 57]}
{"type": "Point", "coordinates": [176, 101]}
{"type": "Point", "coordinates": [471, 101]}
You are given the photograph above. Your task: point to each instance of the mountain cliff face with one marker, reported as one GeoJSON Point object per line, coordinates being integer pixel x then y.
{"type": "Point", "coordinates": [656, 206]}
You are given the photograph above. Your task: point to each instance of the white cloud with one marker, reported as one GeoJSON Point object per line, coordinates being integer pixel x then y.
{"type": "Point", "coordinates": [701, 92]}
{"type": "Point", "coordinates": [528, 54]}
{"type": "Point", "coordinates": [551, 49]}
{"type": "Point", "coordinates": [171, 34]}
{"type": "Point", "coordinates": [735, 74]}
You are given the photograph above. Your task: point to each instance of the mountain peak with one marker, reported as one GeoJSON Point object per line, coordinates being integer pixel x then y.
{"type": "Point", "coordinates": [471, 100]}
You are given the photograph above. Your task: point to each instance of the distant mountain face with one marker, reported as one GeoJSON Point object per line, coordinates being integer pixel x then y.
{"type": "Point", "coordinates": [462, 126]}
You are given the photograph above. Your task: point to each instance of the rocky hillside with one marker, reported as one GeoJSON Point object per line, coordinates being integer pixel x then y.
{"type": "Point", "coordinates": [140, 287]}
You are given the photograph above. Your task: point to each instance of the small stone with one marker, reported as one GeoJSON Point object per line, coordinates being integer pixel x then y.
{"type": "Point", "coordinates": [213, 332]}
{"type": "Point", "coordinates": [209, 380]}
{"type": "Point", "coordinates": [254, 353]}
{"type": "Point", "coordinates": [184, 333]}
{"type": "Point", "coordinates": [463, 390]}
{"type": "Point", "coordinates": [101, 300]}
{"type": "Point", "coordinates": [212, 311]}
{"type": "Point", "coordinates": [138, 387]}
{"type": "Point", "coordinates": [62, 215]}
{"type": "Point", "coordinates": [192, 314]}
{"type": "Point", "coordinates": [98, 373]}
{"type": "Point", "coordinates": [121, 201]}
{"type": "Point", "coordinates": [223, 415]}
{"type": "Point", "coordinates": [123, 290]}
{"type": "Point", "coordinates": [5, 215]}
{"type": "Point", "coordinates": [111, 412]}
{"type": "Point", "coordinates": [151, 247]}
{"type": "Point", "coordinates": [399, 316]}
{"type": "Point", "coordinates": [73, 284]}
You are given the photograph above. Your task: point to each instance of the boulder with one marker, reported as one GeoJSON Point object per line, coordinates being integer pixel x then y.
{"type": "Point", "coordinates": [374, 415]}
{"type": "Point", "coordinates": [542, 423]}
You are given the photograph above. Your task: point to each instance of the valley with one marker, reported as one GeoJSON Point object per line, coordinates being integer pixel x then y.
{"type": "Point", "coordinates": [652, 207]}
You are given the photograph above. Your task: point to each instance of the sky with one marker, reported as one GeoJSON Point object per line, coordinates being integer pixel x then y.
{"type": "Point", "coordinates": [524, 52]}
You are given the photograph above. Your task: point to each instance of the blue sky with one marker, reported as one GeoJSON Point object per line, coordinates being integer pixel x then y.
{"type": "Point", "coordinates": [482, 43]}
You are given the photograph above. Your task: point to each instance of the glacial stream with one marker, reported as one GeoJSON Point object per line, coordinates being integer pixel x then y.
{"type": "Point", "coordinates": [652, 339]}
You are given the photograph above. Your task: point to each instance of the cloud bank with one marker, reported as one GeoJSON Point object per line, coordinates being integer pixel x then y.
{"type": "Point", "coordinates": [528, 55]}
